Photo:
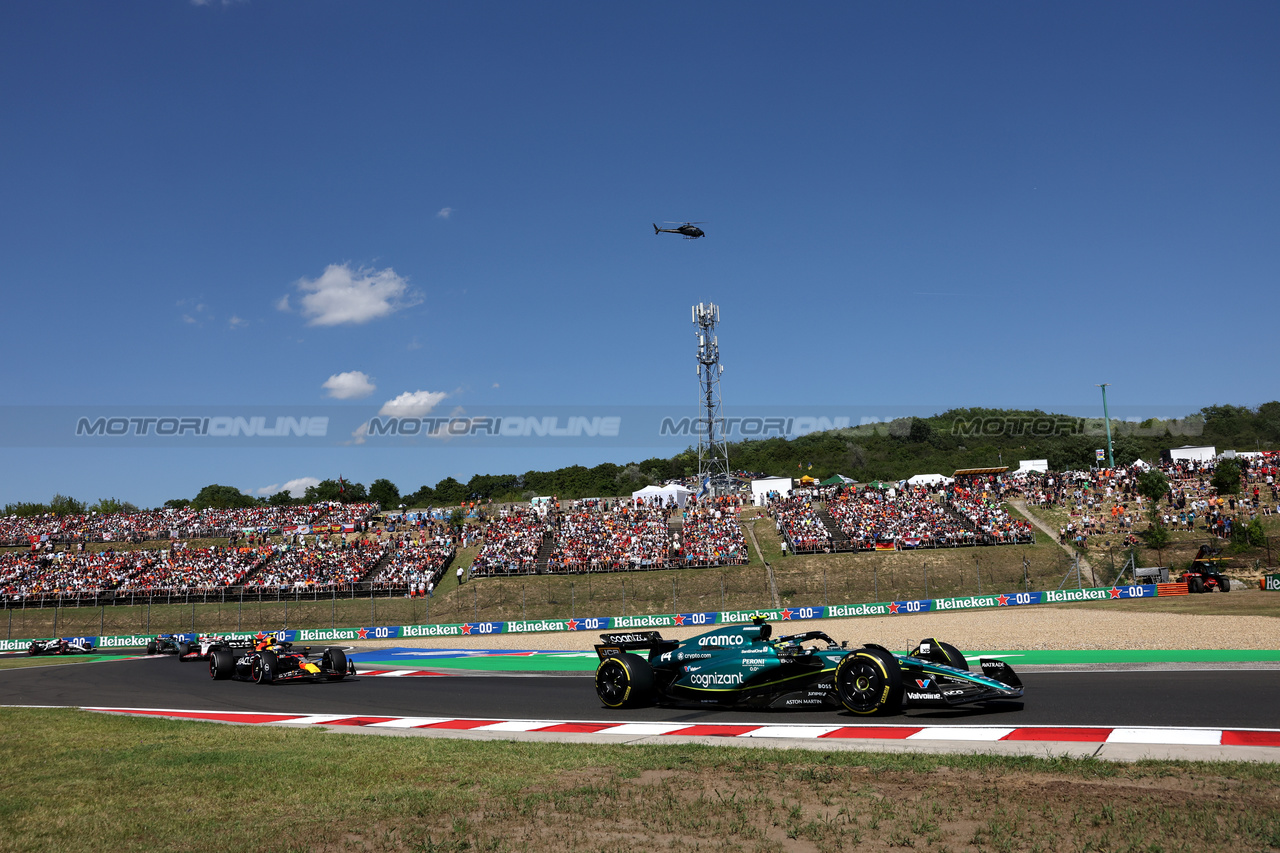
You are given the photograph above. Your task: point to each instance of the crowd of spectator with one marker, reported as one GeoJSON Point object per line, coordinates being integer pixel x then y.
{"type": "Point", "coordinates": [798, 522]}
{"type": "Point", "coordinates": [175, 523]}
{"type": "Point", "coordinates": [416, 564]}
{"type": "Point", "coordinates": [512, 542]}
{"type": "Point", "coordinates": [627, 537]}
{"type": "Point", "coordinates": [711, 536]}
{"type": "Point", "coordinates": [327, 566]}
{"type": "Point", "coordinates": [181, 569]}
{"type": "Point", "coordinates": [68, 574]}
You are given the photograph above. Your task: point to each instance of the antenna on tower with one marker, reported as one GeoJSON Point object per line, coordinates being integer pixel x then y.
{"type": "Point", "coordinates": [713, 449]}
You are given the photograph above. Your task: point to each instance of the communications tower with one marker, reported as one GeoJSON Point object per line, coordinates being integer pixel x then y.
{"type": "Point", "coordinates": [713, 449]}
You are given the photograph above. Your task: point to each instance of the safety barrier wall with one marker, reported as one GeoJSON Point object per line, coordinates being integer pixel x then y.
{"type": "Point", "coordinates": [670, 620]}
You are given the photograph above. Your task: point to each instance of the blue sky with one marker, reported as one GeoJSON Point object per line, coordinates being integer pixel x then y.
{"type": "Point", "coordinates": [926, 204]}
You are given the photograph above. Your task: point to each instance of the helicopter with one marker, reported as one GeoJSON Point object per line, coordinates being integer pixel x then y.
{"type": "Point", "coordinates": [690, 230]}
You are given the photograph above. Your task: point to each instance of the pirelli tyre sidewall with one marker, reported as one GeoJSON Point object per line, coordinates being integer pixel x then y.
{"type": "Point", "coordinates": [869, 681]}
{"type": "Point", "coordinates": [264, 667]}
{"type": "Point", "coordinates": [184, 649]}
{"type": "Point", "coordinates": [624, 681]}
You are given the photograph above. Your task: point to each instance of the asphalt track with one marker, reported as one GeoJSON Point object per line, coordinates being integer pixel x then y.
{"type": "Point", "coordinates": [1228, 698]}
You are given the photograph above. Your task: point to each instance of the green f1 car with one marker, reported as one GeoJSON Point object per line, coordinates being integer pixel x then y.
{"type": "Point", "coordinates": [745, 666]}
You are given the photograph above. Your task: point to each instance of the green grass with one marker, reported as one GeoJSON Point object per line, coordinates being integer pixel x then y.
{"type": "Point", "coordinates": [80, 781]}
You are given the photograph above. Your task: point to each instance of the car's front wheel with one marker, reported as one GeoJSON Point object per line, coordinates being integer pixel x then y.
{"type": "Point", "coordinates": [624, 681]}
{"type": "Point", "coordinates": [869, 681]}
{"type": "Point", "coordinates": [264, 667]}
{"type": "Point", "coordinates": [336, 660]}
{"type": "Point", "coordinates": [222, 664]}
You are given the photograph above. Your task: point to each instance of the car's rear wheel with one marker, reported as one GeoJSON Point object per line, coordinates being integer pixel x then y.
{"type": "Point", "coordinates": [151, 648]}
{"type": "Point", "coordinates": [869, 681]}
{"type": "Point", "coordinates": [34, 649]}
{"type": "Point", "coordinates": [264, 667]}
{"type": "Point", "coordinates": [336, 660]}
{"type": "Point", "coordinates": [624, 681]}
{"type": "Point", "coordinates": [184, 649]}
{"type": "Point", "coordinates": [222, 664]}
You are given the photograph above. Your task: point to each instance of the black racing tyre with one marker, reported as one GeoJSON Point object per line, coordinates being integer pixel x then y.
{"type": "Point", "coordinates": [940, 652]}
{"type": "Point", "coordinates": [336, 660]}
{"type": "Point", "coordinates": [869, 681]}
{"type": "Point", "coordinates": [184, 649]}
{"type": "Point", "coordinates": [34, 649]}
{"type": "Point", "coordinates": [222, 664]}
{"type": "Point", "coordinates": [624, 681]}
{"type": "Point", "coordinates": [264, 667]}
{"type": "Point", "coordinates": [151, 647]}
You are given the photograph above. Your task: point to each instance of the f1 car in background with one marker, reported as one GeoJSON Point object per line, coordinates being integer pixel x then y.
{"type": "Point", "coordinates": [1205, 574]}
{"type": "Point", "coordinates": [167, 644]}
{"type": "Point", "coordinates": [744, 666]}
{"type": "Point", "coordinates": [60, 646]}
{"type": "Point", "coordinates": [273, 662]}
{"type": "Point", "coordinates": [202, 647]}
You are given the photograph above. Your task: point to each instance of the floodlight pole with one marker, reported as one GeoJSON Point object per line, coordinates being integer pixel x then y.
{"type": "Point", "coordinates": [713, 449]}
{"type": "Point", "coordinates": [1106, 419]}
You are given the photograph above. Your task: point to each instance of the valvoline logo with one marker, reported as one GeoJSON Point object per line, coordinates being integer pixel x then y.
{"type": "Point", "coordinates": [923, 683]}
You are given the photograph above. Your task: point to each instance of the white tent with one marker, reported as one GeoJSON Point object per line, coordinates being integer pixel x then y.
{"type": "Point", "coordinates": [928, 480]}
{"type": "Point", "coordinates": [1140, 465]}
{"type": "Point", "coordinates": [760, 488]}
{"type": "Point", "coordinates": [670, 493]}
{"type": "Point", "coordinates": [1191, 453]}
{"type": "Point", "coordinates": [1025, 465]}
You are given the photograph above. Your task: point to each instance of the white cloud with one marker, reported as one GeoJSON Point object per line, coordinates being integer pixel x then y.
{"type": "Point", "coordinates": [358, 437]}
{"type": "Point", "coordinates": [187, 318]}
{"type": "Point", "coordinates": [412, 404]}
{"type": "Point", "coordinates": [237, 322]}
{"type": "Point", "coordinates": [297, 488]}
{"type": "Point", "coordinates": [346, 295]}
{"type": "Point", "coordinates": [352, 385]}
{"type": "Point", "coordinates": [445, 213]}
{"type": "Point", "coordinates": [282, 304]}
{"type": "Point", "coordinates": [496, 385]}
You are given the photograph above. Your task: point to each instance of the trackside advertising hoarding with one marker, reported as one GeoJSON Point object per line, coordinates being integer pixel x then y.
{"type": "Point", "coordinates": [1271, 582]}
{"type": "Point", "coordinates": [325, 636]}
